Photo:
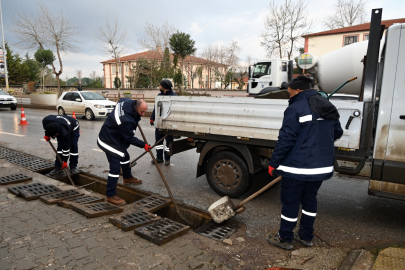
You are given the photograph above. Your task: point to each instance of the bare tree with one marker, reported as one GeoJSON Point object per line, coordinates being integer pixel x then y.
{"type": "Point", "coordinates": [209, 53]}
{"type": "Point", "coordinates": [284, 27]}
{"type": "Point", "coordinates": [157, 38]}
{"type": "Point", "coordinates": [347, 13]}
{"type": "Point", "coordinates": [93, 76]}
{"type": "Point", "coordinates": [111, 42]}
{"type": "Point", "coordinates": [79, 75]}
{"type": "Point", "coordinates": [47, 30]}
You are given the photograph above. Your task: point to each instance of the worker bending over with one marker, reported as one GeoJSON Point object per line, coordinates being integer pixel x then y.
{"type": "Point", "coordinates": [67, 131]}
{"type": "Point", "coordinates": [116, 135]}
{"type": "Point", "coordinates": [304, 157]}
{"type": "Point", "coordinates": [165, 88]}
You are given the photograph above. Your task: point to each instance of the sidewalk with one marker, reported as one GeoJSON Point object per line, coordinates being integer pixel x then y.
{"type": "Point", "coordinates": [34, 235]}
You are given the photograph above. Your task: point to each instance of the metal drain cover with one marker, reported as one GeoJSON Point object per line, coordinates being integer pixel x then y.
{"type": "Point", "coordinates": [79, 200]}
{"type": "Point", "coordinates": [5, 152]}
{"type": "Point", "coordinates": [32, 163]}
{"type": "Point", "coordinates": [55, 197]}
{"type": "Point", "coordinates": [14, 179]}
{"type": "Point", "coordinates": [152, 203]}
{"type": "Point", "coordinates": [162, 231]}
{"type": "Point", "coordinates": [15, 190]}
{"type": "Point", "coordinates": [217, 231]}
{"type": "Point", "coordinates": [33, 193]}
{"type": "Point", "coordinates": [96, 209]}
{"type": "Point", "coordinates": [134, 220]}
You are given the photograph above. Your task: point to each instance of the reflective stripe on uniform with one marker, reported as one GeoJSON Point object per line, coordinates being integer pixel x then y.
{"type": "Point", "coordinates": [76, 127]}
{"type": "Point", "coordinates": [113, 175]}
{"type": "Point", "coordinates": [109, 148]}
{"type": "Point", "coordinates": [305, 118]}
{"type": "Point", "coordinates": [308, 213]}
{"type": "Point", "coordinates": [289, 219]}
{"type": "Point", "coordinates": [158, 147]}
{"type": "Point", "coordinates": [66, 155]}
{"type": "Point", "coordinates": [167, 149]}
{"type": "Point", "coordinates": [305, 171]}
{"type": "Point", "coordinates": [125, 162]}
{"type": "Point", "coordinates": [74, 154]}
{"type": "Point", "coordinates": [59, 152]}
{"type": "Point", "coordinates": [116, 115]}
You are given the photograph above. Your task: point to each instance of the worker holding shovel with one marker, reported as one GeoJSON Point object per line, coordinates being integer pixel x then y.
{"type": "Point", "coordinates": [67, 131]}
{"type": "Point", "coordinates": [116, 135]}
{"type": "Point", "coordinates": [304, 157]}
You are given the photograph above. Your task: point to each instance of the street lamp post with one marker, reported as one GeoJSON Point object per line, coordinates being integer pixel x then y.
{"type": "Point", "coordinates": [4, 52]}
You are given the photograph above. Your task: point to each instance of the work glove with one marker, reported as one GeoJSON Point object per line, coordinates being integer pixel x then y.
{"type": "Point", "coordinates": [272, 172]}
{"type": "Point", "coordinates": [47, 138]}
{"type": "Point", "coordinates": [151, 122]}
{"type": "Point", "coordinates": [64, 166]}
{"type": "Point", "coordinates": [147, 147]}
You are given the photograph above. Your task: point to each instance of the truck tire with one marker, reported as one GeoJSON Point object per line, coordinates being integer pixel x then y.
{"type": "Point", "coordinates": [227, 174]}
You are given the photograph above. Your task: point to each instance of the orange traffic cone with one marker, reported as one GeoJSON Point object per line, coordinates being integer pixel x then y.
{"type": "Point", "coordinates": [23, 121]}
{"type": "Point", "coordinates": [74, 115]}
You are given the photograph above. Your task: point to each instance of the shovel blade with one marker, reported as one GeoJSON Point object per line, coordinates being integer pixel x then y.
{"type": "Point", "coordinates": [222, 210]}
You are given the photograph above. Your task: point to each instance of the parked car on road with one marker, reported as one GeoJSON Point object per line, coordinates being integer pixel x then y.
{"type": "Point", "coordinates": [87, 103]}
{"type": "Point", "coordinates": [7, 101]}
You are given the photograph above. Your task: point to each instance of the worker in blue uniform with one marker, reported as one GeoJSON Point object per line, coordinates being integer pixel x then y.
{"type": "Point", "coordinates": [116, 135]}
{"type": "Point", "coordinates": [66, 130]}
{"type": "Point", "coordinates": [304, 157]}
{"type": "Point", "coordinates": [165, 88]}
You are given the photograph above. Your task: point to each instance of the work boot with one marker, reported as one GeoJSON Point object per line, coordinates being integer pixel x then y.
{"type": "Point", "coordinates": [132, 180]}
{"type": "Point", "coordinates": [302, 241]}
{"type": "Point", "coordinates": [74, 171]}
{"type": "Point", "coordinates": [167, 162]}
{"type": "Point", "coordinates": [275, 240]}
{"type": "Point", "coordinates": [116, 200]}
{"type": "Point", "coordinates": [55, 171]}
{"type": "Point", "coordinates": [157, 161]}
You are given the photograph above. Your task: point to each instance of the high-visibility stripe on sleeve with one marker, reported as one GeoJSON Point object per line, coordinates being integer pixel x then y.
{"type": "Point", "coordinates": [65, 151]}
{"type": "Point", "coordinates": [113, 175]}
{"type": "Point", "coordinates": [66, 155]}
{"type": "Point", "coordinates": [60, 152]}
{"type": "Point", "coordinates": [74, 154]}
{"type": "Point", "coordinates": [125, 162]}
{"type": "Point", "coordinates": [289, 219]}
{"type": "Point", "coordinates": [305, 118]}
{"type": "Point", "coordinates": [308, 213]}
{"type": "Point", "coordinates": [116, 115]}
{"type": "Point", "coordinates": [320, 119]}
{"type": "Point", "coordinates": [109, 148]}
{"type": "Point", "coordinates": [305, 171]}
{"type": "Point", "coordinates": [76, 127]}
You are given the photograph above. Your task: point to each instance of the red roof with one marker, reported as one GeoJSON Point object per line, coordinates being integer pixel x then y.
{"type": "Point", "coordinates": [154, 55]}
{"type": "Point", "coordinates": [356, 28]}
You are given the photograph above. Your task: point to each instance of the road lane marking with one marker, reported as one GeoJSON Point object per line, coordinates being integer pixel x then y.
{"type": "Point", "coordinates": [98, 150]}
{"type": "Point", "coordinates": [12, 134]}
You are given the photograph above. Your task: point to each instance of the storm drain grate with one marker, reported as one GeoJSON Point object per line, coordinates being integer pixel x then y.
{"type": "Point", "coordinates": [151, 204]}
{"type": "Point", "coordinates": [96, 209]}
{"type": "Point", "coordinates": [15, 190]}
{"type": "Point", "coordinates": [79, 200]}
{"type": "Point", "coordinates": [217, 231]}
{"type": "Point", "coordinates": [134, 220]}
{"type": "Point", "coordinates": [33, 193]}
{"type": "Point", "coordinates": [162, 231]}
{"type": "Point", "coordinates": [55, 197]}
{"type": "Point", "coordinates": [32, 163]}
{"type": "Point", "coordinates": [14, 179]}
{"type": "Point", "coordinates": [58, 175]}
{"type": "Point", "coordinates": [5, 152]}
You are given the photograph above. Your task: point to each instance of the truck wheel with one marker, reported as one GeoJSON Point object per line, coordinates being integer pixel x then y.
{"type": "Point", "coordinates": [227, 174]}
{"type": "Point", "coordinates": [89, 114]}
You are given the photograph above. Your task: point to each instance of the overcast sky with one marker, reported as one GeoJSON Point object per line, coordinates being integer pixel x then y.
{"type": "Point", "coordinates": [208, 22]}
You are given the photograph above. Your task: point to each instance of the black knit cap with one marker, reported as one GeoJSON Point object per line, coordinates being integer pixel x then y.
{"type": "Point", "coordinates": [51, 130]}
{"type": "Point", "coordinates": [166, 84]}
{"type": "Point", "coordinates": [300, 82]}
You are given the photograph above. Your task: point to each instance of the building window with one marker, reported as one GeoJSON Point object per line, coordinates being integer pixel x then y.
{"type": "Point", "coordinates": [127, 84]}
{"type": "Point", "coordinates": [126, 68]}
{"type": "Point", "coordinates": [366, 36]}
{"type": "Point", "coordinates": [113, 69]}
{"type": "Point", "coordinates": [120, 69]}
{"type": "Point", "coordinates": [350, 39]}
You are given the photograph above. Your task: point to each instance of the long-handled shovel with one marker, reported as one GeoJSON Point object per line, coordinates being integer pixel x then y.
{"type": "Point", "coordinates": [133, 163]}
{"type": "Point", "coordinates": [224, 208]}
{"type": "Point", "coordinates": [66, 171]}
{"type": "Point", "coordinates": [164, 181]}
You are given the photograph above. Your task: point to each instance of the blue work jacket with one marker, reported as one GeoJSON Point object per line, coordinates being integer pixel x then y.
{"type": "Point", "coordinates": [305, 146]}
{"type": "Point", "coordinates": [118, 130]}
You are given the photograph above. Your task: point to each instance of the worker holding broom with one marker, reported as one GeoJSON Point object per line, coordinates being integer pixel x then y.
{"type": "Point", "coordinates": [116, 135]}
{"type": "Point", "coordinates": [67, 131]}
{"type": "Point", "coordinates": [304, 157]}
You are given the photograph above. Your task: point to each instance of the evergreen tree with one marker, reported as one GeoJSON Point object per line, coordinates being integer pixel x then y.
{"type": "Point", "coordinates": [18, 70]}
{"type": "Point", "coordinates": [34, 68]}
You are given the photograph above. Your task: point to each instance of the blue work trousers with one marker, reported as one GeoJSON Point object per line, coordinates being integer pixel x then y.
{"type": "Point", "coordinates": [294, 193]}
{"type": "Point", "coordinates": [160, 148]}
{"type": "Point", "coordinates": [73, 154]}
{"type": "Point", "coordinates": [114, 173]}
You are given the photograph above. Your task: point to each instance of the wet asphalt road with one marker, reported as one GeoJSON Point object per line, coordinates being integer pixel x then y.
{"type": "Point", "coordinates": [347, 215]}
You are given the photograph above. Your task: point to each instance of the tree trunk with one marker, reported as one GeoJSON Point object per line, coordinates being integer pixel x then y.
{"type": "Point", "coordinates": [59, 90]}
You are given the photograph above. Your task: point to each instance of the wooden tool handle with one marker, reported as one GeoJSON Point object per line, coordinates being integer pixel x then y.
{"type": "Point", "coordinates": [254, 195]}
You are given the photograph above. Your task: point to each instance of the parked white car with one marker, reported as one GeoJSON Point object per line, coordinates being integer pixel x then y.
{"type": "Point", "coordinates": [7, 101]}
{"type": "Point", "coordinates": [87, 103]}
